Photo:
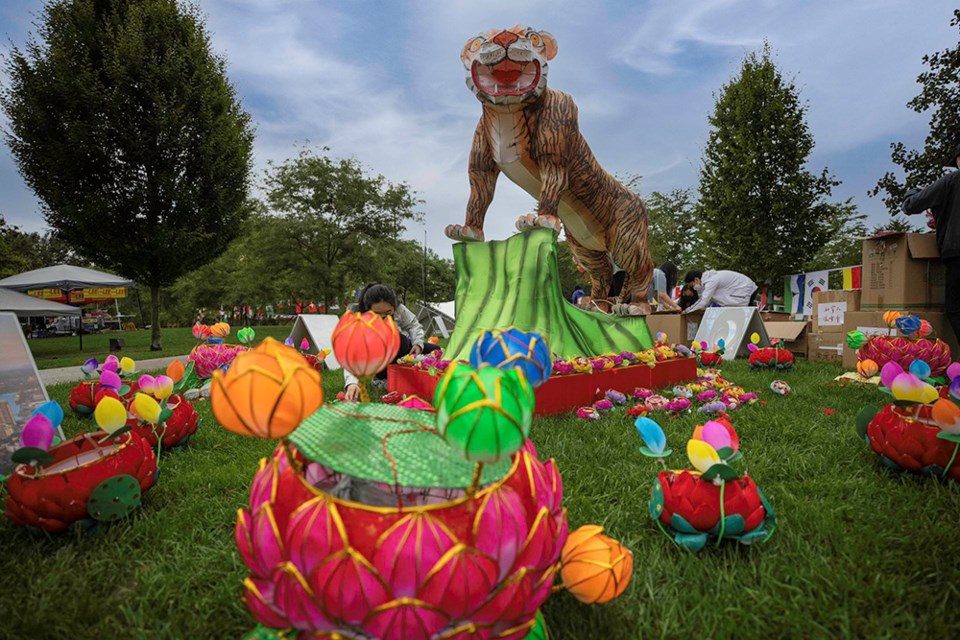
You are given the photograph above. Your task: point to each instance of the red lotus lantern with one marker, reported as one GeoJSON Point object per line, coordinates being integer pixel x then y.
{"type": "Point", "coordinates": [771, 358]}
{"type": "Point", "coordinates": [364, 344]}
{"type": "Point", "coordinates": [86, 481]}
{"type": "Point", "coordinates": [907, 439]}
{"type": "Point", "coordinates": [176, 430]}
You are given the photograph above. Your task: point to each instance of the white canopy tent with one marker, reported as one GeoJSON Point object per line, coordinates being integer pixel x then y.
{"type": "Point", "coordinates": [63, 276]}
{"type": "Point", "coordinates": [29, 307]}
{"type": "Point", "coordinates": [66, 277]}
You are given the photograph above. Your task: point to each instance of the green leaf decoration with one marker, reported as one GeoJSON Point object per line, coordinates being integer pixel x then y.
{"type": "Point", "coordinates": [724, 452]}
{"type": "Point", "coordinates": [864, 418]}
{"type": "Point", "coordinates": [261, 632]}
{"type": "Point", "coordinates": [885, 390]}
{"type": "Point", "coordinates": [645, 450]}
{"type": "Point", "coordinates": [119, 432]}
{"type": "Point", "coordinates": [655, 505]}
{"type": "Point", "coordinates": [114, 498]}
{"type": "Point", "coordinates": [165, 415]}
{"type": "Point", "coordinates": [678, 523]}
{"type": "Point", "coordinates": [906, 403]}
{"type": "Point", "coordinates": [732, 525]}
{"type": "Point", "coordinates": [757, 535]}
{"type": "Point", "coordinates": [771, 514]}
{"type": "Point", "coordinates": [539, 629]}
{"type": "Point", "coordinates": [736, 456]}
{"type": "Point", "coordinates": [692, 542]}
{"type": "Point", "coordinates": [950, 437]}
{"type": "Point", "coordinates": [722, 471]}
{"type": "Point", "coordinates": [124, 390]}
{"type": "Point", "coordinates": [27, 455]}
{"type": "Point", "coordinates": [939, 381]}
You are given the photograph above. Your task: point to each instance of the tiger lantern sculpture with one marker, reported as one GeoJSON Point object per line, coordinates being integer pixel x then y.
{"type": "Point", "coordinates": [531, 133]}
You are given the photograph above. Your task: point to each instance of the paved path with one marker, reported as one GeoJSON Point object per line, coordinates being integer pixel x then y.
{"type": "Point", "coordinates": [74, 374]}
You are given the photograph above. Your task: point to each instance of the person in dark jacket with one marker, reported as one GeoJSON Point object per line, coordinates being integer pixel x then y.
{"type": "Point", "coordinates": [942, 198]}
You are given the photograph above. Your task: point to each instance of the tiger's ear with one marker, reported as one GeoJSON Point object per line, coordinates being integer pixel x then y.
{"type": "Point", "coordinates": [469, 50]}
{"type": "Point", "coordinates": [549, 44]}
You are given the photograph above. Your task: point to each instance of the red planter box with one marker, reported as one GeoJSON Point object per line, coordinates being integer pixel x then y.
{"type": "Point", "coordinates": [564, 393]}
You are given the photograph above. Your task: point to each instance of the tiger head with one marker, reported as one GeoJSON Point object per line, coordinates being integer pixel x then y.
{"type": "Point", "coordinates": [508, 66]}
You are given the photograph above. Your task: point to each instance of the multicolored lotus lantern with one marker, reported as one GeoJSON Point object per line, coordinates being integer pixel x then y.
{"type": "Point", "coordinates": [246, 336]}
{"type": "Point", "coordinates": [267, 392]}
{"type": "Point", "coordinates": [920, 431]}
{"type": "Point", "coordinates": [905, 350]}
{"type": "Point", "coordinates": [86, 395]}
{"type": "Point", "coordinates": [511, 349]}
{"type": "Point", "coordinates": [364, 344]}
{"type": "Point", "coordinates": [165, 420]}
{"type": "Point", "coordinates": [712, 501]}
{"type": "Point", "coordinates": [82, 481]}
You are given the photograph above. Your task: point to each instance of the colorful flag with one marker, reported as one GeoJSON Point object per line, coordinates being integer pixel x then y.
{"type": "Point", "coordinates": [851, 277]}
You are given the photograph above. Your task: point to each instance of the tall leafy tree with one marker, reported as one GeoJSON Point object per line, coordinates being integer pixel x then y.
{"type": "Point", "coordinates": [672, 224]}
{"type": "Point", "coordinates": [940, 96]}
{"type": "Point", "coordinates": [335, 220]}
{"type": "Point", "coordinates": [124, 123]}
{"type": "Point", "coordinates": [24, 250]}
{"type": "Point", "coordinates": [762, 212]}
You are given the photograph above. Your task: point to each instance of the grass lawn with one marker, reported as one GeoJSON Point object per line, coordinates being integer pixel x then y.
{"type": "Point", "coordinates": [860, 552]}
{"type": "Point", "coordinates": [51, 353]}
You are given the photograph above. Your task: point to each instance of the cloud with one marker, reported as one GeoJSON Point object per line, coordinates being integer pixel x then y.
{"type": "Point", "coordinates": [383, 82]}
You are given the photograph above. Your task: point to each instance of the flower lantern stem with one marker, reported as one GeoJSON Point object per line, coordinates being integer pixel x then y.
{"type": "Point", "coordinates": [364, 395]}
{"type": "Point", "coordinates": [723, 519]}
{"type": "Point", "coordinates": [475, 483]}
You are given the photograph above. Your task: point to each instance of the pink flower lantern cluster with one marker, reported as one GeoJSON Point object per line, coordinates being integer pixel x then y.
{"type": "Point", "coordinates": [207, 358]}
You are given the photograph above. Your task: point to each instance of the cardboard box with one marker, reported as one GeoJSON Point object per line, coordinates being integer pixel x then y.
{"type": "Point", "coordinates": [871, 323]}
{"type": "Point", "coordinates": [679, 328]}
{"type": "Point", "coordinates": [902, 270]}
{"type": "Point", "coordinates": [830, 307]}
{"type": "Point", "coordinates": [793, 334]}
{"type": "Point", "coordinates": [775, 316]}
{"type": "Point", "coordinates": [828, 346]}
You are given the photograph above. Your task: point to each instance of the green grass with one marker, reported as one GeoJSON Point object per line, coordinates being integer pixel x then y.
{"type": "Point", "coordinates": [860, 552]}
{"type": "Point", "coordinates": [51, 353]}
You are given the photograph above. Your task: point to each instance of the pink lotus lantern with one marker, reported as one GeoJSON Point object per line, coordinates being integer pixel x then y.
{"type": "Point", "coordinates": [207, 358]}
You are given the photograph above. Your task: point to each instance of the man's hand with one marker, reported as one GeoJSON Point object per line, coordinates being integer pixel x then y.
{"type": "Point", "coordinates": [352, 393]}
{"type": "Point", "coordinates": [416, 350]}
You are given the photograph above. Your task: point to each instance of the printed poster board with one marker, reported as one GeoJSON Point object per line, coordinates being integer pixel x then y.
{"type": "Point", "coordinates": [21, 390]}
{"type": "Point", "coordinates": [734, 325]}
{"type": "Point", "coordinates": [318, 330]}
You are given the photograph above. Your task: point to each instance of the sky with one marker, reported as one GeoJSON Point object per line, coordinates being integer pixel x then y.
{"type": "Point", "coordinates": [382, 82]}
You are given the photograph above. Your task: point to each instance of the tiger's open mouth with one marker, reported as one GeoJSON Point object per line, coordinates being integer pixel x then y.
{"type": "Point", "coordinates": [506, 78]}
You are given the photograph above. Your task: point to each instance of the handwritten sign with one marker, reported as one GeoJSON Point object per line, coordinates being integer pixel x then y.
{"type": "Point", "coordinates": [830, 314]}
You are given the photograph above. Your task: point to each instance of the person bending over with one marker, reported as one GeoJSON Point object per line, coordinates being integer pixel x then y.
{"type": "Point", "coordinates": [942, 198]}
{"type": "Point", "coordinates": [721, 289]}
{"type": "Point", "coordinates": [381, 300]}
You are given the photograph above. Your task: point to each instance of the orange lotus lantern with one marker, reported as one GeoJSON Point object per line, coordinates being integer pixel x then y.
{"type": "Point", "coordinates": [595, 568]}
{"type": "Point", "coordinates": [364, 344]}
{"type": "Point", "coordinates": [267, 392]}
{"type": "Point", "coordinates": [867, 368]}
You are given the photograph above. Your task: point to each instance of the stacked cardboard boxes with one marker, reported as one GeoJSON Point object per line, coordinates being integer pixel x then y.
{"type": "Point", "coordinates": [830, 310]}
{"type": "Point", "coordinates": [902, 272]}
{"type": "Point", "coordinates": [680, 328]}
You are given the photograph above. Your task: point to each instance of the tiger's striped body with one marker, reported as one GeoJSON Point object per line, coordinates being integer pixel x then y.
{"type": "Point", "coordinates": [536, 142]}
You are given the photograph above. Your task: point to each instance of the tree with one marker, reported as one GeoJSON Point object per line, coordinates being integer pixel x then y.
{"type": "Point", "coordinates": [335, 220]}
{"type": "Point", "coordinates": [123, 122]}
{"type": "Point", "coordinates": [896, 224]}
{"type": "Point", "coordinates": [672, 224]}
{"type": "Point", "coordinates": [844, 246]}
{"type": "Point", "coordinates": [940, 95]}
{"type": "Point", "coordinates": [762, 212]}
{"type": "Point", "coordinates": [24, 251]}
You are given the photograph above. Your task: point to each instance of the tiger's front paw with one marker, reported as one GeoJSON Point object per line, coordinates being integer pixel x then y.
{"type": "Point", "coordinates": [463, 232]}
{"type": "Point", "coordinates": [535, 221]}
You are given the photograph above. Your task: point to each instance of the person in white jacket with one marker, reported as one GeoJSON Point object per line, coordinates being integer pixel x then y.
{"type": "Point", "coordinates": [382, 300]}
{"type": "Point", "coordinates": [720, 289]}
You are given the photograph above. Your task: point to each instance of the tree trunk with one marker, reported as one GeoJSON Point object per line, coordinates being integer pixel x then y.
{"type": "Point", "coordinates": [155, 319]}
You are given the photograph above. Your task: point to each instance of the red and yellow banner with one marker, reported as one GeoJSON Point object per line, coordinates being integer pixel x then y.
{"type": "Point", "coordinates": [48, 294]}
{"type": "Point", "coordinates": [96, 294]}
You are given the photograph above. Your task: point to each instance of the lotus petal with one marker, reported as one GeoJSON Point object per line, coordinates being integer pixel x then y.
{"type": "Point", "coordinates": [500, 527]}
{"type": "Point", "coordinates": [315, 531]}
{"type": "Point", "coordinates": [294, 597]}
{"type": "Point", "coordinates": [259, 599]}
{"type": "Point", "coordinates": [407, 551]}
{"type": "Point", "coordinates": [164, 387]}
{"type": "Point", "coordinates": [37, 432]}
{"type": "Point", "coordinates": [348, 587]}
{"type": "Point", "coordinates": [947, 415]}
{"type": "Point", "coordinates": [127, 365]}
{"type": "Point", "coordinates": [241, 535]}
{"type": "Point", "coordinates": [110, 380]}
{"type": "Point", "coordinates": [110, 414]}
{"type": "Point", "coordinates": [651, 433]}
{"type": "Point", "coordinates": [147, 408]}
{"type": "Point", "coordinates": [953, 371]}
{"type": "Point", "coordinates": [52, 410]}
{"type": "Point", "coordinates": [889, 372]}
{"type": "Point", "coordinates": [716, 435]}
{"type": "Point", "coordinates": [907, 386]}
{"type": "Point", "coordinates": [920, 369]}
{"type": "Point", "coordinates": [460, 581]}
{"type": "Point", "coordinates": [268, 550]}
{"type": "Point", "coordinates": [702, 455]}
{"type": "Point", "coordinates": [147, 383]}
{"type": "Point", "coordinates": [406, 619]}
{"type": "Point", "coordinates": [90, 367]}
